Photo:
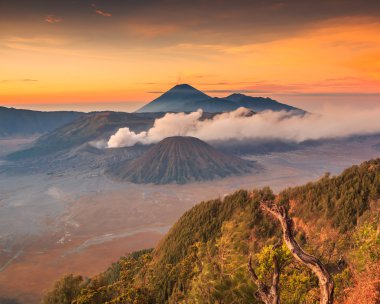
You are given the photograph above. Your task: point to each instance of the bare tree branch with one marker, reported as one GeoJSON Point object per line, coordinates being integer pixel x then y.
{"type": "Point", "coordinates": [326, 283]}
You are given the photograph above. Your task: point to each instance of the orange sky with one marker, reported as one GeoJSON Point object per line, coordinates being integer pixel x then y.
{"type": "Point", "coordinates": [49, 63]}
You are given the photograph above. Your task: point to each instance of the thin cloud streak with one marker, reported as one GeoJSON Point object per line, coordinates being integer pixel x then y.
{"type": "Point", "coordinates": [100, 12]}
{"type": "Point", "coordinates": [18, 80]}
{"type": "Point", "coordinates": [103, 13]}
{"type": "Point", "coordinates": [53, 19]}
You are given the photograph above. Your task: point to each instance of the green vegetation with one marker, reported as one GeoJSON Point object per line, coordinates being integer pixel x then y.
{"type": "Point", "coordinates": [342, 199]}
{"type": "Point", "coordinates": [65, 290]}
{"type": "Point", "coordinates": [203, 258]}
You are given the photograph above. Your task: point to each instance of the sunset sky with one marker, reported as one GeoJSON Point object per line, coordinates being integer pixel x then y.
{"type": "Point", "coordinates": [120, 53]}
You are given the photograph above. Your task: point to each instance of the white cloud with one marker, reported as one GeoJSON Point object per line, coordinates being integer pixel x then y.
{"type": "Point", "coordinates": [334, 122]}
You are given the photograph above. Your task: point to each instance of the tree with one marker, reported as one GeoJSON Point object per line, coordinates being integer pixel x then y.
{"type": "Point", "coordinates": [220, 275]}
{"type": "Point", "coordinates": [268, 294]}
{"type": "Point", "coordinates": [326, 283]}
{"type": "Point", "coordinates": [65, 290]}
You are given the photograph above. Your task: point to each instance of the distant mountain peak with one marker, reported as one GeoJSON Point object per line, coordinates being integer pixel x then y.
{"type": "Point", "coordinates": [185, 98]}
{"type": "Point", "coordinates": [185, 89]}
{"type": "Point", "coordinates": [241, 95]}
{"type": "Point", "coordinates": [174, 99]}
{"type": "Point", "coordinates": [236, 95]}
{"type": "Point", "coordinates": [184, 86]}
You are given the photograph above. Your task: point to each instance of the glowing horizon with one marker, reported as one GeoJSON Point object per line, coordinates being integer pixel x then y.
{"type": "Point", "coordinates": [84, 53]}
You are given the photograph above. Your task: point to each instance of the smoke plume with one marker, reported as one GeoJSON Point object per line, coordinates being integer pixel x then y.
{"type": "Point", "coordinates": [240, 124]}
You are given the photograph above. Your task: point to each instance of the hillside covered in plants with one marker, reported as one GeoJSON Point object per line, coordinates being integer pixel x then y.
{"type": "Point", "coordinates": [203, 258]}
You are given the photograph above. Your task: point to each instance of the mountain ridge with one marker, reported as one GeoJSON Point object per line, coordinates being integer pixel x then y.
{"type": "Point", "coordinates": [186, 98]}
{"type": "Point", "coordinates": [89, 127]}
{"type": "Point", "coordinates": [21, 122]}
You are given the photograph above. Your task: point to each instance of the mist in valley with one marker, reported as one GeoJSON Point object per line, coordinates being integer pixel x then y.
{"type": "Point", "coordinates": [75, 219]}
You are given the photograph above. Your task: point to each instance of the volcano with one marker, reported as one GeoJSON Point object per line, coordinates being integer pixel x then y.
{"type": "Point", "coordinates": [180, 160]}
{"type": "Point", "coordinates": [185, 98]}
{"type": "Point", "coordinates": [175, 99]}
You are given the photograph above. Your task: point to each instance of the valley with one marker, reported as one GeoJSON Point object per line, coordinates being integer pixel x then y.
{"type": "Point", "coordinates": [80, 221]}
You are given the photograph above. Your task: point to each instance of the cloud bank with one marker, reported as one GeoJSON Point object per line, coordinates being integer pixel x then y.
{"type": "Point", "coordinates": [239, 124]}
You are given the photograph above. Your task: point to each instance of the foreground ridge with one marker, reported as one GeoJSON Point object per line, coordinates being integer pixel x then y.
{"type": "Point", "coordinates": [203, 258]}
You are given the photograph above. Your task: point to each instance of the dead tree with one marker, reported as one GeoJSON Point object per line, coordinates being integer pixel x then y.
{"type": "Point", "coordinates": [269, 295]}
{"type": "Point", "coordinates": [326, 284]}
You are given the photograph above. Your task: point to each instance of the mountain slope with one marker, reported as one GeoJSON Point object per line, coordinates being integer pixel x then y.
{"type": "Point", "coordinates": [180, 160]}
{"type": "Point", "coordinates": [340, 200]}
{"type": "Point", "coordinates": [15, 122]}
{"type": "Point", "coordinates": [203, 258]}
{"type": "Point", "coordinates": [89, 127]}
{"type": "Point", "coordinates": [259, 104]}
{"type": "Point", "coordinates": [185, 98]}
{"type": "Point", "coordinates": [210, 105]}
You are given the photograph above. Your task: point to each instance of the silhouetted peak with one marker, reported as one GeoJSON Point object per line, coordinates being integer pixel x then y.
{"type": "Point", "coordinates": [184, 88]}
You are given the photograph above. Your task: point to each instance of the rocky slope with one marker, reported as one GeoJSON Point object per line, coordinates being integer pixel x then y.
{"type": "Point", "coordinates": [180, 160]}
